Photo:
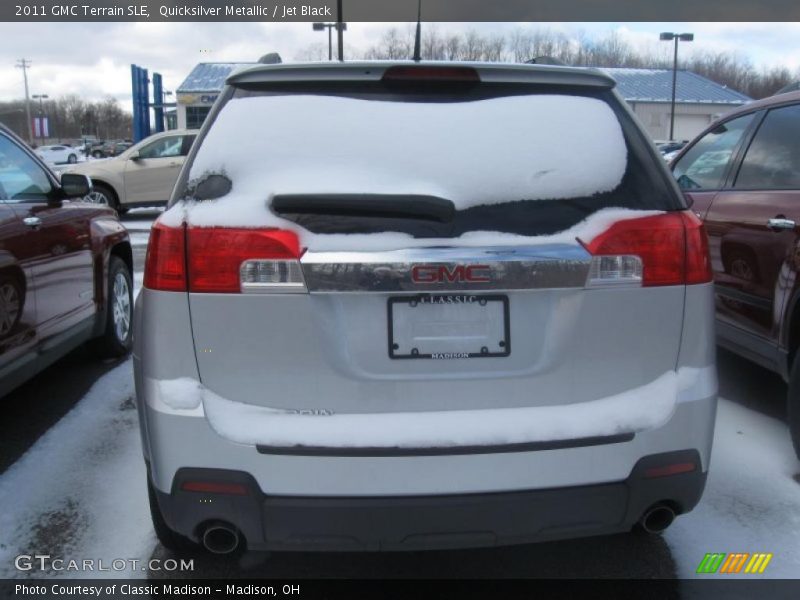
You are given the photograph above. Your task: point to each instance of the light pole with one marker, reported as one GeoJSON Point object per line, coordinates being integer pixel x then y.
{"type": "Point", "coordinates": [41, 98]}
{"type": "Point", "coordinates": [25, 64]}
{"type": "Point", "coordinates": [666, 37]}
{"type": "Point", "coordinates": [330, 27]}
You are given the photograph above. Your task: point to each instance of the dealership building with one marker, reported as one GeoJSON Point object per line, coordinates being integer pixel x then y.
{"type": "Point", "coordinates": [698, 100]}
{"type": "Point", "coordinates": [195, 96]}
{"type": "Point", "coordinates": [648, 92]}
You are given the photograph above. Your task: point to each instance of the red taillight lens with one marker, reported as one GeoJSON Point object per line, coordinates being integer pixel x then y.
{"type": "Point", "coordinates": [209, 259]}
{"type": "Point", "coordinates": [165, 265]}
{"type": "Point", "coordinates": [672, 247]}
{"type": "Point", "coordinates": [698, 261]}
{"type": "Point", "coordinates": [216, 254]}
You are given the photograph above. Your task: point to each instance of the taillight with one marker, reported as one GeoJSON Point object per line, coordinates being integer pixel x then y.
{"type": "Point", "coordinates": [223, 260]}
{"type": "Point", "coordinates": [217, 257]}
{"type": "Point", "coordinates": [666, 249]}
{"type": "Point", "coordinates": [165, 265]}
{"type": "Point", "coordinates": [698, 260]}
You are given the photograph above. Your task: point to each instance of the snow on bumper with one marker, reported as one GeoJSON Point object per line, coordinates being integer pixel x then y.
{"type": "Point", "coordinates": [643, 408]}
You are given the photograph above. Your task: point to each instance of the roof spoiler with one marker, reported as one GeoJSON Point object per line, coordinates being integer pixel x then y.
{"type": "Point", "coordinates": [374, 71]}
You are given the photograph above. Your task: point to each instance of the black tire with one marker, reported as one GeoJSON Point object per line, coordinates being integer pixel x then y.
{"type": "Point", "coordinates": [117, 336]}
{"type": "Point", "coordinates": [793, 404]}
{"type": "Point", "coordinates": [97, 154]}
{"type": "Point", "coordinates": [12, 303]}
{"type": "Point", "coordinates": [72, 159]}
{"type": "Point", "coordinates": [169, 538]}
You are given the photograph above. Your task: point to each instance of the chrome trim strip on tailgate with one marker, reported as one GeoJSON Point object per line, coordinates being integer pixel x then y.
{"type": "Point", "coordinates": [619, 438]}
{"type": "Point", "coordinates": [493, 268]}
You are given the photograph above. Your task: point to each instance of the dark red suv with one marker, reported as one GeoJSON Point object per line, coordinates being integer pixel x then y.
{"type": "Point", "coordinates": [743, 175]}
{"type": "Point", "coordinates": [65, 267]}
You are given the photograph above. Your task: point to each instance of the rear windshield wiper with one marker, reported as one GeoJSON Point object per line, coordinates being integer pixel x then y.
{"type": "Point", "coordinates": [387, 206]}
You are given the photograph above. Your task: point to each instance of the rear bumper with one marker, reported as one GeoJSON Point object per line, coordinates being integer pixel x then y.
{"type": "Point", "coordinates": [429, 522]}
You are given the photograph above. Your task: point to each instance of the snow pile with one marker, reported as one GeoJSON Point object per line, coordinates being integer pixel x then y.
{"type": "Point", "coordinates": [644, 407]}
{"type": "Point", "coordinates": [183, 393]}
{"type": "Point", "coordinates": [472, 153]}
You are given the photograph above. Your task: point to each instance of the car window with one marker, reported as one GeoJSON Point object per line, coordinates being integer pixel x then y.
{"type": "Point", "coordinates": [21, 178]}
{"type": "Point", "coordinates": [704, 165]}
{"type": "Point", "coordinates": [773, 158]}
{"type": "Point", "coordinates": [163, 148]}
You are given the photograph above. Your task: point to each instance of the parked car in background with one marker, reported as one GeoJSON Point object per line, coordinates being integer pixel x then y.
{"type": "Point", "coordinates": [59, 154]}
{"type": "Point", "coordinates": [422, 306]}
{"type": "Point", "coordinates": [115, 148]}
{"type": "Point", "coordinates": [142, 175]}
{"type": "Point", "coordinates": [743, 177]}
{"type": "Point", "coordinates": [96, 149]}
{"type": "Point", "coordinates": [65, 268]}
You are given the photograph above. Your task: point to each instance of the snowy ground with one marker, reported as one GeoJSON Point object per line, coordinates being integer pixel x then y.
{"type": "Point", "coordinates": [752, 499]}
{"type": "Point", "coordinates": [79, 492]}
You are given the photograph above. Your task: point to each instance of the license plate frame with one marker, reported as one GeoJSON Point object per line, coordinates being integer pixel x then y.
{"type": "Point", "coordinates": [432, 298]}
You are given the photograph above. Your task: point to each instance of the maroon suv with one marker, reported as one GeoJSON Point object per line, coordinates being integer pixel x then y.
{"type": "Point", "coordinates": [743, 175]}
{"type": "Point", "coordinates": [65, 268]}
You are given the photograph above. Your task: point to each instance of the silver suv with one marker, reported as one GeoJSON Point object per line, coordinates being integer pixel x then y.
{"type": "Point", "coordinates": [403, 306]}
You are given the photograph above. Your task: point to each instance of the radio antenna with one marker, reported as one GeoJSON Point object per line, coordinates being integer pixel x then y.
{"type": "Point", "coordinates": [417, 56]}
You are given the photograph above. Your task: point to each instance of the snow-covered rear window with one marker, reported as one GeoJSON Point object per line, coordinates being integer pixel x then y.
{"type": "Point", "coordinates": [472, 153]}
{"type": "Point", "coordinates": [439, 165]}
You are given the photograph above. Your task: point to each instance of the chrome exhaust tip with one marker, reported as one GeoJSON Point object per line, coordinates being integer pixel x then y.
{"type": "Point", "coordinates": [657, 518]}
{"type": "Point", "coordinates": [220, 538]}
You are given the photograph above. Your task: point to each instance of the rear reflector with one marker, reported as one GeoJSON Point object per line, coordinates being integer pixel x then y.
{"type": "Point", "coordinates": [213, 487]}
{"type": "Point", "coordinates": [222, 260]}
{"type": "Point", "coordinates": [671, 248]}
{"type": "Point", "coordinates": [668, 470]}
{"type": "Point", "coordinates": [431, 73]}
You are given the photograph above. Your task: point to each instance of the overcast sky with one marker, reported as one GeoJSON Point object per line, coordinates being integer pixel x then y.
{"type": "Point", "coordinates": [93, 59]}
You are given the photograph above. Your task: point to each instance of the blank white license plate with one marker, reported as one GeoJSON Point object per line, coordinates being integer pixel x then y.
{"type": "Point", "coordinates": [449, 326]}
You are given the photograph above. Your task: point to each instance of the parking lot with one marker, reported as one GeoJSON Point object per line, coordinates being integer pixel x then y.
{"type": "Point", "coordinates": [72, 485]}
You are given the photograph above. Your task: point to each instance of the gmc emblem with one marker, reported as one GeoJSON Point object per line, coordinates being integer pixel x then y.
{"type": "Point", "coordinates": [445, 274]}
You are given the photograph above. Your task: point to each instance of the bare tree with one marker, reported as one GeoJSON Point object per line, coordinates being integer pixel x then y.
{"type": "Point", "coordinates": [71, 117]}
{"type": "Point", "coordinates": [394, 45]}
{"type": "Point", "coordinates": [312, 52]}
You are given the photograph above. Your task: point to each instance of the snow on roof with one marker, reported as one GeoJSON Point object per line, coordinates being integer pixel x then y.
{"type": "Point", "coordinates": [209, 77]}
{"type": "Point", "coordinates": [655, 85]}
